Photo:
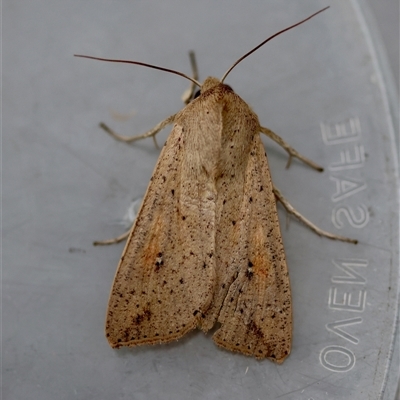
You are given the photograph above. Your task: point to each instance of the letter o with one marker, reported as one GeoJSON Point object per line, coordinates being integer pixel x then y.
{"type": "Point", "coordinates": [332, 358]}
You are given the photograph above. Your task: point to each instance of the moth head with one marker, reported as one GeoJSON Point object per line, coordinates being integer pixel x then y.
{"type": "Point", "coordinates": [209, 83]}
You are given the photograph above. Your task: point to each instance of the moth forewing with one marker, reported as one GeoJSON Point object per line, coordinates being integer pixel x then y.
{"type": "Point", "coordinates": [256, 316]}
{"type": "Point", "coordinates": [165, 279]}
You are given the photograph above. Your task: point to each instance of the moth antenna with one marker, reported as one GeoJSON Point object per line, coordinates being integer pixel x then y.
{"type": "Point", "coordinates": [144, 65]}
{"type": "Point", "coordinates": [267, 40]}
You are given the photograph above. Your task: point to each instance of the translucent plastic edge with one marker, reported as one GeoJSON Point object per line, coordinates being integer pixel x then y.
{"type": "Point", "coordinates": [388, 88]}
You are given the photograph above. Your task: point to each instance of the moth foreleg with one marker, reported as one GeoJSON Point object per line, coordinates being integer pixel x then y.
{"type": "Point", "coordinates": [291, 210]}
{"type": "Point", "coordinates": [112, 241]}
{"type": "Point", "coordinates": [152, 132]}
{"type": "Point", "coordinates": [290, 150]}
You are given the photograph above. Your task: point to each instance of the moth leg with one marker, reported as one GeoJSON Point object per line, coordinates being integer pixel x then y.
{"type": "Point", "coordinates": [188, 94]}
{"type": "Point", "coordinates": [290, 150]}
{"type": "Point", "coordinates": [291, 210]}
{"type": "Point", "coordinates": [152, 132]}
{"type": "Point", "coordinates": [112, 241]}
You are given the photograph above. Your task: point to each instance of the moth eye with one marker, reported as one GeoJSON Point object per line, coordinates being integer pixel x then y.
{"type": "Point", "coordinates": [196, 95]}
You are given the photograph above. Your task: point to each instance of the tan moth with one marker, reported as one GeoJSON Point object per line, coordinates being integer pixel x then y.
{"type": "Point", "coordinates": [206, 245]}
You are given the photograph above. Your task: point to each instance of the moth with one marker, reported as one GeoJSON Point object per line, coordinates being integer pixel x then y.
{"type": "Point", "coordinates": [206, 246]}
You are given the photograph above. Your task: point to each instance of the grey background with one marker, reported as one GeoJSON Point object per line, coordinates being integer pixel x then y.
{"type": "Point", "coordinates": [386, 15]}
{"type": "Point", "coordinates": [67, 184]}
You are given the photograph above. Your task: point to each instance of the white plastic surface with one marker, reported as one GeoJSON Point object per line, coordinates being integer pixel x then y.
{"type": "Point", "coordinates": [66, 183]}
